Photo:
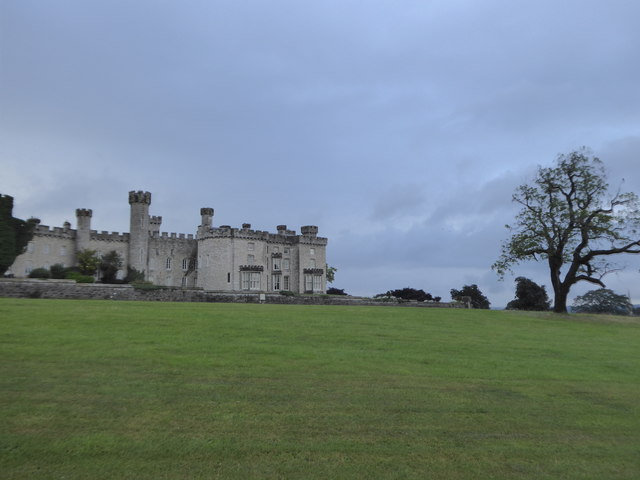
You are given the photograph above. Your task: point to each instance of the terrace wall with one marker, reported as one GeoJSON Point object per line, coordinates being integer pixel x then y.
{"type": "Point", "coordinates": [69, 289]}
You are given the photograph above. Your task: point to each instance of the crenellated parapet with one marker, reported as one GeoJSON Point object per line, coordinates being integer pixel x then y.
{"type": "Point", "coordinates": [283, 236]}
{"type": "Point", "coordinates": [309, 230]}
{"type": "Point", "coordinates": [106, 236]}
{"type": "Point", "coordinates": [173, 236]}
{"type": "Point", "coordinates": [55, 232]}
{"type": "Point", "coordinates": [139, 197]}
{"type": "Point", "coordinates": [84, 212]}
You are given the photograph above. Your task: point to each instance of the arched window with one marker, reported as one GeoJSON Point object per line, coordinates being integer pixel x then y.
{"type": "Point", "coordinates": [168, 264]}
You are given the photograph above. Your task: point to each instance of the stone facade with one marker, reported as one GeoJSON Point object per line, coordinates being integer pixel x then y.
{"type": "Point", "coordinates": [215, 258]}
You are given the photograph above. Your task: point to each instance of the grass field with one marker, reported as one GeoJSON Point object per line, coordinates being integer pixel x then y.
{"type": "Point", "coordinates": [124, 390]}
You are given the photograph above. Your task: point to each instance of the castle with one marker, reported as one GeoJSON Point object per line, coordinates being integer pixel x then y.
{"type": "Point", "coordinates": [216, 258]}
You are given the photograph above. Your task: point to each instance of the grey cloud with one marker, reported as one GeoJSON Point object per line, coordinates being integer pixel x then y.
{"type": "Point", "coordinates": [400, 128]}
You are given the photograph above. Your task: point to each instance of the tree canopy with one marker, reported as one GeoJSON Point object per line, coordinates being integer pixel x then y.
{"type": "Point", "coordinates": [571, 221]}
{"type": "Point", "coordinates": [478, 300]}
{"type": "Point", "coordinates": [109, 265]}
{"type": "Point", "coordinates": [88, 262]}
{"type": "Point", "coordinates": [14, 233]}
{"type": "Point", "coordinates": [603, 300]}
{"type": "Point", "coordinates": [409, 293]}
{"type": "Point", "coordinates": [529, 296]}
{"type": "Point", "coordinates": [331, 273]}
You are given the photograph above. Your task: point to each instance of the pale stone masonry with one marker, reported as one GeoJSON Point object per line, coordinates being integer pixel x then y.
{"type": "Point", "coordinates": [217, 258]}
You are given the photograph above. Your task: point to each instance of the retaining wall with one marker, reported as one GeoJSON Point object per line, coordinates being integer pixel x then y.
{"type": "Point", "coordinates": [32, 288]}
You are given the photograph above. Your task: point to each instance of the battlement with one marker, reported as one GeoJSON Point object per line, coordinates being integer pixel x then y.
{"type": "Point", "coordinates": [173, 236]}
{"type": "Point", "coordinates": [84, 212]}
{"type": "Point", "coordinates": [155, 220]}
{"type": "Point", "coordinates": [309, 230]}
{"type": "Point", "coordinates": [56, 232]}
{"type": "Point", "coordinates": [283, 235]}
{"type": "Point", "coordinates": [109, 236]}
{"type": "Point", "coordinates": [139, 197]}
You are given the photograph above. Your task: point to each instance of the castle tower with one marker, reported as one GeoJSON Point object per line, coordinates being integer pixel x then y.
{"type": "Point", "coordinates": [139, 230]}
{"type": "Point", "coordinates": [83, 233]}
{"type": "Point", "coordinates": [207, 216]}
{"type": "Point", "coordinates": [309, 230]}
{"type": "Point", "coordinates": [154, 224]}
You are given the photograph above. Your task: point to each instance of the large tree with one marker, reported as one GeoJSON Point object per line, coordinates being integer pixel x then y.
{"type": "Point", "coordinates": [529, 296]}
{"type": "Point", "coordinates": [14, 233]}
{"type": "Point", "coordinates": [603, 300]}
{"type": "Point", "coordinates": [478, 300]}
{"type": "Point", "coordinates": [570, 220]}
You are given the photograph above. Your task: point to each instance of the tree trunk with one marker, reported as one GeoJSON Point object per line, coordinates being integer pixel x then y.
{"type": "Point", "coordinates": [560, 301]}
{"type": "Point", "coordinates": [560, 288]}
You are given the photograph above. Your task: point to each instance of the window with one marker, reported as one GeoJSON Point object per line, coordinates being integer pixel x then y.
{"type": "Point", "coordinates": [30, 247]}
{"type": "Point", "coordinates": [312, 263]}
{"type": "Point", "coordinates": [63, 251]}
{"type": "Point", "coordinates": [285, 282]}
{"type": "Point", "coordinates": [276, 249]}
{"type": "Point", "coordinates": [184, 281]}
{"type": "Point", "coordinates": [168, 263]}
{"type": "Point", "coordinates": [185, 264]}
{"type": "Point", "coordinates": [285, 264]}
{"type": "Point", "coordinates": [286, 250]}
{"type": "Point", "coordinates": [251, 246]}
{"type": "Point", "coordinates": [152, 263]}
{"type": "Point", "coordinates": [276, 264]}
{"type": "Point", "coordinates": [312, 251]}
{"type": "Point", "coordinates": [251, 259]}
{"type": "Point", "coordinates": [276, 281]}
{"type": "Point", "coordinates": [312, 283]}
{"type": "Point", "coordinates": [28, 267]}
{"type": "Point", "coordinates": [46, 248]}
{"type": "Point", "coordinates": [250, 280]}
{"type": "Point", "coordinates": [228, 277]}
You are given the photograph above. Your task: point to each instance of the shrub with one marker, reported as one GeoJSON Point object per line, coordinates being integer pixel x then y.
{"type": "Point", "coordinates": [287, 293]}
{"type": "Point", "coordinates": [58, 271]}
{"type": "Point", "coordinates": [109, 265]}
{"type": "Point", "coordinates": [40, 273]}
{"type": "Point", "coordinates": [407, 293]}
{"type": "Point", "coordinates": [335, 291]}
{"type": "Point", "coordinates": [146, 285]}
{"type": "Point", "coordinates": [134, 276]}
{"type": "Point", "coordinates": [78, 277]}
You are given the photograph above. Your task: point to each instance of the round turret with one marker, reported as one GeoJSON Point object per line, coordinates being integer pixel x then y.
{"type": "Point", "coordinates": [207, 215]}
{"type": "Point", "coordinates": [139, 197]}
{"type": "Point", "coordinates": [310, 230]}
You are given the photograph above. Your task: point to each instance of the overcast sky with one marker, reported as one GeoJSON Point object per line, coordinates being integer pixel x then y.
{"type": "Point", "coordinates": [401, 128]}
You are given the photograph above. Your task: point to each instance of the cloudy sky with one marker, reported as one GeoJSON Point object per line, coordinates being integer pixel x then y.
{"type": "Point", "coordinates": [401, 128]}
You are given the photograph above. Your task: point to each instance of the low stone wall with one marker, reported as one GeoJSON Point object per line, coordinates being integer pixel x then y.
{"type": "Point", "coordinates": [32, 288]}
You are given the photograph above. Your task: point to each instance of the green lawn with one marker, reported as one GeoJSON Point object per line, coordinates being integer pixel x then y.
{"type": "Point", "coordinates": [118, 390]}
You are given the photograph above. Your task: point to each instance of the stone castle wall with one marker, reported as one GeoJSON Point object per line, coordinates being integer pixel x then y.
{"type": "Point", "coordinates": [217, 258]}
